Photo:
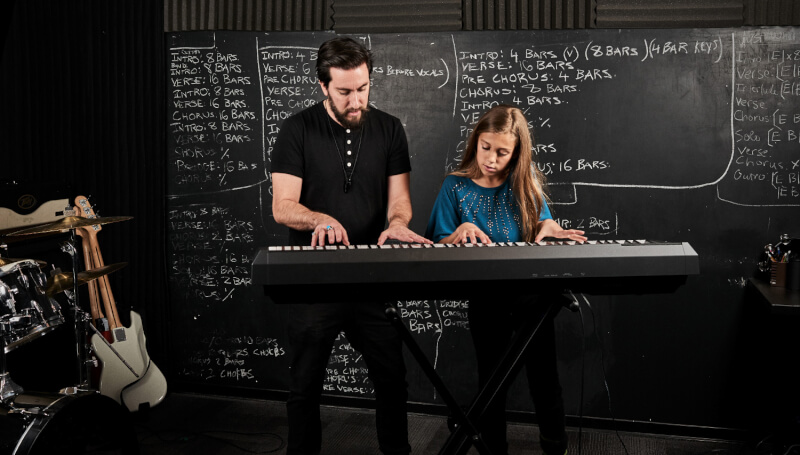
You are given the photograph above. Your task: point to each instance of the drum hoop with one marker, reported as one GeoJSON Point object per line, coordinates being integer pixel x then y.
{"type": "Point", "coordinates": [37, 424]}
{"type": "Point", "coordinates": [15, 266]}
{"type": "Point", "coordinates": [24, 436]}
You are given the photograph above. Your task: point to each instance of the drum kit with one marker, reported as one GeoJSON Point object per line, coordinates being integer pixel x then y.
{"type": "Point", "coordinates": [29, 310]}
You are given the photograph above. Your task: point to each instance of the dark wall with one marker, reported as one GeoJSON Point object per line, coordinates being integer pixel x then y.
{"type": "Point", "coordinates": [655, 134]}
{"type": "Point", "coordinates": [83, 113]}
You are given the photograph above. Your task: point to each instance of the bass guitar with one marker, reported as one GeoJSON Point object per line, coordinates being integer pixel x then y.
{"type": "Point", "coordinates": [128, 374]}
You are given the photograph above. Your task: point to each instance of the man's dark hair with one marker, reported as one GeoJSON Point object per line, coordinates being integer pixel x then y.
{"type": "Point", "coordinates": [343, 53]}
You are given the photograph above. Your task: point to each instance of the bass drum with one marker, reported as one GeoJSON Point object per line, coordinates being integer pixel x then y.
{"type": "Point", "coordinates": [87, 422]}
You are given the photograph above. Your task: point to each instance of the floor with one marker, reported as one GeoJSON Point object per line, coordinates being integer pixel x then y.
{"type": "Point", "coordinates": [199, 424]}
{"type": "Point", "coordinates": [193, 424]}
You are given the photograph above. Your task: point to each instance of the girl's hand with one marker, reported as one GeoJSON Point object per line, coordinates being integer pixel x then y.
{"type": "Point", "coordinates": [549, 228]}
{"type": "Point", "coordinates": [467, 233]}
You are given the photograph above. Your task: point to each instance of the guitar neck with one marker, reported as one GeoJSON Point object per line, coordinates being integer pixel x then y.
{"type": "Point", "coordinates": [83, 207]}
{"type": "Point", "coordinates": [103, 284]}
{"type": "Point", "coordinates": [94, 298]}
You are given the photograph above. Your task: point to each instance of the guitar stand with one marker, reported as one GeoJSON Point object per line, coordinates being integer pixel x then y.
{"type": "Point", "coordinates": [466, 432]}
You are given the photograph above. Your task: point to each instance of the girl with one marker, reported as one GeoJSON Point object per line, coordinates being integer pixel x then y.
{"type": "Point", "coordinates": [497, 195]}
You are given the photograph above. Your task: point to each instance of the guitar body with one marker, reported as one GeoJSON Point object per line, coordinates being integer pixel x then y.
{"type": "Point", "coordinates": [117, 380]}
{"type": "Point", "coordinates": [152, 387]}
{"type": "Point", "coordinates": [150, 390]}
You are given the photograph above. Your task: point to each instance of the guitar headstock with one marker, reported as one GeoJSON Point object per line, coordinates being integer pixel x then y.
{"type": "Point", "coordinates": [84, 208]}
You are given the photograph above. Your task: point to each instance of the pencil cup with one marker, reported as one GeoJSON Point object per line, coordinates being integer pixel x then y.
{"type": "Point", "coordinates": [777, 274]}
{"type": "Point", "coordinates": [793, 275]}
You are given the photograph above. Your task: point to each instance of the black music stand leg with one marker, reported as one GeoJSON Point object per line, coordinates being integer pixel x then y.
{"type": "Point", "coordinates": [459, 441]}
{"type": "Point", "coordinates": [462, 422]}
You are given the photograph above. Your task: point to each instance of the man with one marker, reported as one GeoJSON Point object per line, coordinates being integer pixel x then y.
{"type": "Point", "coordinates": [340, 169]}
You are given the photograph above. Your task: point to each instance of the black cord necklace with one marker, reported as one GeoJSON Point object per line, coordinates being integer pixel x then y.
{"type": "Point", "coordinates": [348, 178]}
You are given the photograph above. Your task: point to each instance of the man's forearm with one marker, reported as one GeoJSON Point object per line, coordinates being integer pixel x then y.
{"type": "Point", "coordinates": [297, 216]}
{"type": "Point", "coordinates": [400, 213]}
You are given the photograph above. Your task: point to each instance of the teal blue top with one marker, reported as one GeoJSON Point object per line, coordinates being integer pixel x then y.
{"type": "Point", "coordinates": [494, 210]}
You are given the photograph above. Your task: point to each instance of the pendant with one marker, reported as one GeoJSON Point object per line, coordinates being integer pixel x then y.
{"type": "Point", "coordinates": [346, 186]}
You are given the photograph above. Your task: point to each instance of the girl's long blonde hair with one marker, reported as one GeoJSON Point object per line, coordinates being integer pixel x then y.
{"type": "Point", "coordinates": [527, 181]}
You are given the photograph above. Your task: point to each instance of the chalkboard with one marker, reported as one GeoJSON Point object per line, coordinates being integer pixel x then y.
{"type": "Point", "coordinates": [685, 135]}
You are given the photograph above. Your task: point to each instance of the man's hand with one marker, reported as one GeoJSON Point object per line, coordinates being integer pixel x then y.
{"type": "Point", "coordinates": [401, 233]}
{"type": "Point", "coordinates": [399, 212]}
{"type": "Point", "coordinates": [329, 231]}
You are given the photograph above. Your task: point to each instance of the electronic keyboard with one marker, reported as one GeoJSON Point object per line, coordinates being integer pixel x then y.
{"type": "Point", "coordinates": [398, 271]}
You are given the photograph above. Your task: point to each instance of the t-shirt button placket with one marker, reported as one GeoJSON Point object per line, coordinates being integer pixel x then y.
{"type": "Point", "coordinates": [349, 142]}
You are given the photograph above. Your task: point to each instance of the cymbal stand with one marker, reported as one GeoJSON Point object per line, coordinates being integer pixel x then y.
{"type": "Point", "coordinates": [79, 317]}
{"type": "Point", "coordinates": [8, 388]}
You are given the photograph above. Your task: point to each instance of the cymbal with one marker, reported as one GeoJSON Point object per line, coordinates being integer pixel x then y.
{"type": "Point", "coordinates": [70, 222]}
{"type": "Point", "coordinates": [63, 281]}
{"type": "Point", "coordinates": [4, 261]}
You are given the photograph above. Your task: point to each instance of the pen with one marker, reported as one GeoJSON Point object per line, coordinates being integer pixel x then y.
{"type": "Point", "coordinates": [770, 250]}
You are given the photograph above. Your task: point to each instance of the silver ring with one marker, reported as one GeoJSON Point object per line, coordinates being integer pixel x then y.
{"type": "Point", "coordinates": [328, 227]}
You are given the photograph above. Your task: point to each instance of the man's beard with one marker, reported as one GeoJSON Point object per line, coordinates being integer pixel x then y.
{"type": "Point", "coordinates": [344, 120]}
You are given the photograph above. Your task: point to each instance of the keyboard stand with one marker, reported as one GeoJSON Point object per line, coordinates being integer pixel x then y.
{"type": "Point", "coordinates": [466, 433]}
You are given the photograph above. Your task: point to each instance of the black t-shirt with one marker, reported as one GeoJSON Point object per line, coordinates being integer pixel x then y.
{"type": "Point", "coordinates": [379, 149]}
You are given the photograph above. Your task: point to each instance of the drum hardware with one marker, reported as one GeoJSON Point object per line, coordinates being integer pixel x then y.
{"type": "Point", "coordinates": [6, 261]}
{"type": "Point", "coordinates": [92, 362]}
{"type": "Point", "coordinates": [34, 296]}
{"type": "Point", "coordinates": [72, 390]}
{"type": "Point", "coordinates": [79, 317]}
{"type": "Point", "coordinates": [8, 388]}
{"type": "Point", "coordinates": [26, 312]}
{"type": "Point", "coordinates": [28, 412]}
